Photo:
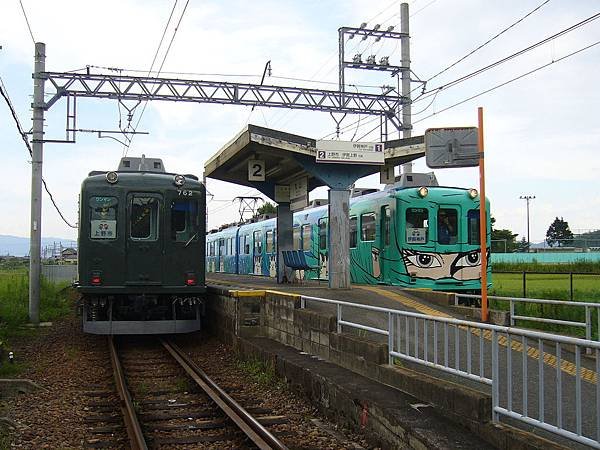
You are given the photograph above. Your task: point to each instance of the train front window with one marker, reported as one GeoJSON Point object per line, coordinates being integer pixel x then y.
{"type": "Point", "coordinates": [447, 226]}
{"type": "Point", "coordinates": [184, 220]}
{"type": "Point", "coordinates": [417, 225]}
{"type": "Point", "coordinates": [473, 226]}
{"type": "Point", "coordinates": [103, 217]}
{"type": "Point", "coordinates": [144, 218]}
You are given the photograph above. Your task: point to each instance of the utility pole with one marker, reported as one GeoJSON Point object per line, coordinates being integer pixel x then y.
{"type": "Point", "coordinates": [405, 74]}
{"type": "Point", "coordinates": [37, 157]}
{"type": "Point", "coordinates": [527, 198]}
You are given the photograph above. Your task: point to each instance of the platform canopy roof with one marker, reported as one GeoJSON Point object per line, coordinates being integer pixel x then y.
{"type": "Point", "coordinates": [288, 157]}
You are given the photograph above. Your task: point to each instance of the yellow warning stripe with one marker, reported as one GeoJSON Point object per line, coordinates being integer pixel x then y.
{"type": "Point", "coordinates": [566, 366]}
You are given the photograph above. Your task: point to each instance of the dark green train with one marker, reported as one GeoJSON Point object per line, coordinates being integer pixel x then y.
{"type": "Point", "coordinates": [141, 234]}
{"type": "Point", "coordinates": [415, 234]}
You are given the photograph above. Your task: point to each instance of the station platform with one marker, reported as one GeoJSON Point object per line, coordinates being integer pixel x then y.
{"type": "Point", "coordinates": [380, 295]}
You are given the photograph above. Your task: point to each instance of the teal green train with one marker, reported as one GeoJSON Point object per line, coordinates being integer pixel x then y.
{"type": "Point", "coordinates": [422, 237]}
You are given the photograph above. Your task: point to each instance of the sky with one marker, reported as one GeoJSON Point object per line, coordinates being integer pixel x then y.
{"type": "Point", "coordinates": [542, 132]}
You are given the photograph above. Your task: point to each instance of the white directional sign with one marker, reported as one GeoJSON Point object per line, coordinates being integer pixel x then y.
{"type": "Point", "coordinates": [386, 175]}
{"type": "Point", "coordinates": [299, 193]}
{"type": "Point", "coordinates": [256, 170]}
{"type": "Point", "coordinates": [350, 152]}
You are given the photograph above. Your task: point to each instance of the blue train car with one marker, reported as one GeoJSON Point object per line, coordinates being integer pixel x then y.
{"type": "Point", "coordinates": [426, 237]}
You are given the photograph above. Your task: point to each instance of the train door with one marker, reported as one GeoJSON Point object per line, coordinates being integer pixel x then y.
{"type": "Point", "coordinates": [384, 241]}
{"type": "Point", "coordinates": [323, 254]}
{"type": "Point", "coordinates": [271, 252]}
{"type": "Point", "coordinates": [221, 256]}
{"type": "Point", "coordinates": [144, 245]}
{"type": "Point", "coordinates": [368, 256]}
{"type": "Point", "coordinates": [257, 256]}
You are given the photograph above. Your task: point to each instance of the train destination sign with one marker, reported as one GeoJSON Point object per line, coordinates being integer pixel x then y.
{"type": "Point", "coordinates": [350, 152]}
{"type": "Point", "coordinates": [451, 147]}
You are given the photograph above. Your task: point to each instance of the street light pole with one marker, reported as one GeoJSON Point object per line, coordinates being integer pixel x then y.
{"type": "Point", "coordinates": [527, 198]}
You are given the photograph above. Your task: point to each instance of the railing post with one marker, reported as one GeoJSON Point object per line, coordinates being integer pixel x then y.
{"type": "Point", "coordinates": [512, 312]}
{"type": "Point", "coordinates": [390, 339]}
{"type": "Point", "coordinates": [588, 328]}
{"type": "Point", "coordinates": [495, 377]}
{"type": "Point", "coordinates": [339, 318]}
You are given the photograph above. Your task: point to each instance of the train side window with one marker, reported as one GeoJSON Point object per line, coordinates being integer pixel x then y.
{"type": "Point", "coordinates": [473, 226]}
{"type": "Point", "coordinates": [184, 220]}
{"type": "Point", "coordinates": [417, 225]}
{"type": "Point", "coordinates": [386, 214]}
{"type": "Point", "coordinates": [221, 247]}
{"type": "Point", "coordinates": [144, 218]}
{"type": "Point", "coordinates": [367, 231]}
{"type": "Point", "coordinates": [322, 234]}
{"type": "Point", "coordinates": [306, 237]}
{"type": "Point", "coordinates": [296, 237]}
{"type": "Point", "coordinates": [103, 217]}
{"type": "Point", "coordinates": [257, 243]}
{"type": "Point", "coordinates": [353, 229]}
{"type": "Point", "coordinates": [245, 244]}
{"type": "Point", "coordinates": [447, 226]}
{"type": "Point", "coordinates": [270, 241]}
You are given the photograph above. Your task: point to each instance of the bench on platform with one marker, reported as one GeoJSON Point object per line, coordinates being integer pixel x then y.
{"type": "Point", "coordinates": [296, 260]}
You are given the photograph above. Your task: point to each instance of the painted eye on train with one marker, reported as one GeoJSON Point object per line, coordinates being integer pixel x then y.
{"type": "Point", "coordinates": [425, 260]}
{"type": "Point", "coordinates": [470, 259]}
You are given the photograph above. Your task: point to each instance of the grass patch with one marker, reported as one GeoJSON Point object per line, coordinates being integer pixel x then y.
{"type": "Point", "coordinates": [14, 301]}
{"type": "Point", "coordinates": [55, 302]}
{"type": "Point", "coordinates": [263, 374]}
{"type": "Point", "coordinates": [549, 286]}
{"type": "Point", "coordinates": [577, 266]}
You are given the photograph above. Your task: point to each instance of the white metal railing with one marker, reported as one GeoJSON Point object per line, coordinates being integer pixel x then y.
{"type": "Point", "coordinates": [552, 396]}
{"type": "Point", "coordinates": [586, 306]}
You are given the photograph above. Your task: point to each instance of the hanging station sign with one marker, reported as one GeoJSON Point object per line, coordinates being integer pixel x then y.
{"type": "Point", "coordinates": [350, 152]}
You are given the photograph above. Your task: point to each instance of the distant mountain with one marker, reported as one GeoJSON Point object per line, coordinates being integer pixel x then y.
{"type": "Point", "coordinates": [19, 246]}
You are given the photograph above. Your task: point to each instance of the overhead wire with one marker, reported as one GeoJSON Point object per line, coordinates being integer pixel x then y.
{"type": "Point", "coordinates": [5, 96]}
{"type": "Point", "coordinates": [27, 21]}
{"type": "Point", "coordinates": [509, 81]}
{"type": "Point", "coordinates": [509, 57]}
{"type": "Point", "coordinates": [497, 35]}
{"type": "Point", "coordinates": [162, 63]}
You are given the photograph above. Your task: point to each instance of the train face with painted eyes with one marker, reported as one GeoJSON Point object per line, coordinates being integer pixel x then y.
{"type": "Point", "coordinates": [141, 240]}
{"type": "Point", "coordinates": [415, 234]}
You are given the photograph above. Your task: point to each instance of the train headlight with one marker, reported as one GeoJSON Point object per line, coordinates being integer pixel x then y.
{"type": "Point", "coordinates": [423, 191]}
{"type": "Point", "coordinates": [112, 177]}
{"type": "Point", "coordinates": [179, 180]}
{"type": "Point", "coordinates": [473, 193]}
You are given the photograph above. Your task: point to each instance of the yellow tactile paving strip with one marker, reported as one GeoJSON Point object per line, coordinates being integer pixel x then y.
{"type": "Point", "coordinates": [566, 366]}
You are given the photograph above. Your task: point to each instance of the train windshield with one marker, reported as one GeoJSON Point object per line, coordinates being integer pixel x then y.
{"type": "Point", "coordinates": [103, 217]}
{"type": "Point", "coordinates": [417, 226]}
{"type": "Point", "coordinates": [144, 218]}
{"type": "Point", "coordinates": [185, 220]}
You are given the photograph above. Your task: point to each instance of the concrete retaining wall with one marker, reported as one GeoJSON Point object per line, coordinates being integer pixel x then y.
{"type": "Point", "coordinates": [277, 316]}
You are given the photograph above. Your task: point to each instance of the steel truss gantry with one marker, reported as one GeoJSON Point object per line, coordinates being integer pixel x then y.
{"type": "Point", "coordinates": [122, 87]}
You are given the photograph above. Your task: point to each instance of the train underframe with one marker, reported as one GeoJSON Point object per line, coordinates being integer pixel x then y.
{"type": "Point", "coordinates": [141, 313]}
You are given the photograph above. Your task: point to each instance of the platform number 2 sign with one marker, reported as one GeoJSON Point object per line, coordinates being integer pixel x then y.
{"type": "Point", "coordinates": [256, 170]}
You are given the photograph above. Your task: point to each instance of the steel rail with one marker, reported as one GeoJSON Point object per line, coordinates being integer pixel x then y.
{"type": "Point", "coordinates": [134, 429]}
{"type": "Point", "coordinates": [257, 433]}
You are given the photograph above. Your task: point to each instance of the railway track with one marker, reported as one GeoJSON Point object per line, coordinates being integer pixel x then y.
{"type": "Point", "coordinates": [167, 401]}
